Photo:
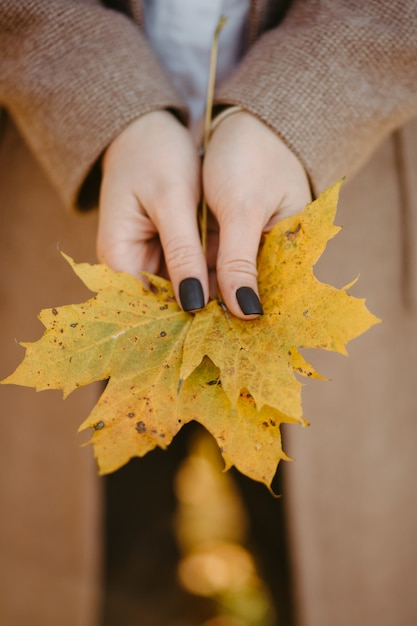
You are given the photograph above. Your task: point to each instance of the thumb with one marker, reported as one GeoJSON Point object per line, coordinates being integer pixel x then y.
{"type": "Point", "coordinates": [236, 267]}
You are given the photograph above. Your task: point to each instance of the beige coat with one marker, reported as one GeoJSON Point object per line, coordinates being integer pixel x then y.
{"type": "Point", "coordinates": [334, 79]}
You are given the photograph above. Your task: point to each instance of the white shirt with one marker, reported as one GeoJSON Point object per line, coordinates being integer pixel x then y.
{"type": "Point", "coordinates": [181, 34]}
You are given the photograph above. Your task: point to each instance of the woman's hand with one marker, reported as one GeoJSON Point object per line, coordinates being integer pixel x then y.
{"type": "Point", "coordinates": [251, 180]}
{"type": "Point", "coordinates": [148, 205]}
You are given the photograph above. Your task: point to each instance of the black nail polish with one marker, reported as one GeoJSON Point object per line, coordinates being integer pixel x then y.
{"type": "Point", "coordinates": [249, 301]}
{"type": "Point", "coordinates": [191, 294]}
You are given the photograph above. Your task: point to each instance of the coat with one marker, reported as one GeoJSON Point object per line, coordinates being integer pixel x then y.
{"type": "Point", "coordinates": [337, 82]}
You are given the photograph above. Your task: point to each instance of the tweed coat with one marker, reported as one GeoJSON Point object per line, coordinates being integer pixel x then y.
{"type": "Point", "coordinates": [337, 81]}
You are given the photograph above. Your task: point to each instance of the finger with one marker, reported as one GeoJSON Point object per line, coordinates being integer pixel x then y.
{"type": "Point", "coordinates": [176, 222]}
{"type": "Point", "coordinates": [236, 265]}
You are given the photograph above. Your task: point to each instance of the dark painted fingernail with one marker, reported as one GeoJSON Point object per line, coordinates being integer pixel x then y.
{"type": "Point", "coordinates": [249, 301]}
{"type": "Point", "coordinates": [191, 294]}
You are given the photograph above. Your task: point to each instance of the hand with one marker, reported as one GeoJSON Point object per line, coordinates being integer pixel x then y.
{"type": "Point", "coordinates": [148, 204]}
{"type": "Point", "coordinates": [251, 180]}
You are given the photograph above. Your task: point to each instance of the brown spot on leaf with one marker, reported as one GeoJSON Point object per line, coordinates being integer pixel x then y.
{"type": "Point", "coordinates": [99, 425]}
{"type": "Point", "coordinates": [141, 427]}
{"type": "Point", "coordinates": [291, 235]}
{"type": "Point", "coordinates": [216, 381]}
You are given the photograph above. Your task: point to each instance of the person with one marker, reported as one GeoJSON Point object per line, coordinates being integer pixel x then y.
{"type": "Point", "coordinates": [318, 86]}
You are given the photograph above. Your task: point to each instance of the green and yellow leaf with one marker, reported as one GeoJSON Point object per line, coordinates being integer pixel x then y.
{"type": "Point", "coordinates": [164, 367]}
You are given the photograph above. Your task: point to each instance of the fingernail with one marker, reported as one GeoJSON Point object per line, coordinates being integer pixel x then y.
{"type": "Point", "coordinates": [191, 294]}
{"type": "Point", "coordinates": [249, 301]}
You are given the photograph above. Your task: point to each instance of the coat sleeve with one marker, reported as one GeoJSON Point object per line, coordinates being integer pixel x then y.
{"type": "Point", "coordinates": [72, 76]}
{"type": "Point", "coordinates": [333, 79]}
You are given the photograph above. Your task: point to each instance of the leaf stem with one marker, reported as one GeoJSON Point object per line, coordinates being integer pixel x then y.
{"type": "Point", "coordinates": [207, 122]}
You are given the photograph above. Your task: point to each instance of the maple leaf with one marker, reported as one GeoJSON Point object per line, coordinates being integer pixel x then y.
{"type": "Point", "coordinates": [165, 367]}
{"type": "Point", "coordinates": [299, 312]}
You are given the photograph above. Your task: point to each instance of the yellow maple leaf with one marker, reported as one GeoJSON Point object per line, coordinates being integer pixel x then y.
{"type": "Point", "coordinates": [165, 367]}
{"type": "Point", "coordinates": [299, 312]}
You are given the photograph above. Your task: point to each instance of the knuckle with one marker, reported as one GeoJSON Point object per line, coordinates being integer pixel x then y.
{"type": "Point", "coordinates": [238, 267]}
{"type": "Point", "coordinates": [179, 254]}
